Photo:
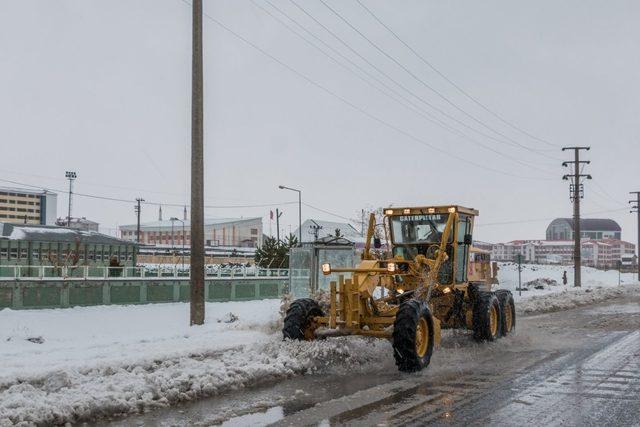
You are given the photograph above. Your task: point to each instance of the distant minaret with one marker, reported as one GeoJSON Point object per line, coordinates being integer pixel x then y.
{"type": "Point", "coordinates": [185, 213]}
{"type": "Point", "coordinates": [160, 213]}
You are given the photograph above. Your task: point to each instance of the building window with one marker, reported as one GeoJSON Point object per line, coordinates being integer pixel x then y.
{"type": "Point", "coordinates": [14, 253]}
{"type": "Point", "coordinates": [3, 253]}
{"type": "Point", "coordinates": [254, 231]}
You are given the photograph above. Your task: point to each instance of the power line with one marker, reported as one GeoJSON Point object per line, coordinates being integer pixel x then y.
{"type": "Point", "coordinates": [460, 89]}
{"type": "Point", "coordinates": [360, 109]}
{"type": "Point", "coordinates": [425, 84]}
{"type": "Point", "coordinates": [179, 205]}
{"type": "Point", "coordinates": [400, 85]}
{"type": "Point", "coordinates": [416, 108]}
{"type": "Point", "coordinates": [327, 212]}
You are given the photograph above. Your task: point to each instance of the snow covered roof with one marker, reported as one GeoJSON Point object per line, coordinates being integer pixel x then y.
{"type": "Point", "coordinates": [187, 223]}
{"type": "Point", "coordinates": [25, 191]}
{"type": "Point", "coordinates": [49, 233]}
{"type": "Point", "coordinates": [328, 228]}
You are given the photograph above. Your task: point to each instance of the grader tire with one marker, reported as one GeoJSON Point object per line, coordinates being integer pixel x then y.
{"type": "Point", "coordinates": [413, 336]}
{"type": "Point", "coordinates": [486, 317]}
{"type": "Point", "coordinates": [508, 308]}
{"type": "Point", "coordinates": [298, 323]}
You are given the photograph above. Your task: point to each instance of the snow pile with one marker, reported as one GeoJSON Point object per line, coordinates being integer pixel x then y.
{"type": "Point", "coordinates": [101, 361]}
{"type": "Point", "coordinates": [546, 275]}
{"type": "Point", "coordinates": [543, 291]}
{"type": "Point", "coordinates": [539, 283]}
{"type": "Point", "coordinates": [573, 298]}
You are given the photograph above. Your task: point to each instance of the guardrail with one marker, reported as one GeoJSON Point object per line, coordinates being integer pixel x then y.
{"type": "Point", "coordinates": [56, 293]}
{"type": "Point", "coordinates": [42, 272]}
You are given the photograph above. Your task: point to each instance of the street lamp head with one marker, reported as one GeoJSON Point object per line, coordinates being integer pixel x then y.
{"type": "Point", "coordinates": [282, 187]}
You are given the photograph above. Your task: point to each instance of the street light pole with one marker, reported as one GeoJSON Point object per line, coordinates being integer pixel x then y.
{"type": "Point", "coordinates": [71, 176]}
{"type": "Point", "coordinates": [282, 187]}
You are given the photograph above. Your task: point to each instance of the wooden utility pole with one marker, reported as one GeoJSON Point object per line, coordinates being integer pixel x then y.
{"type": "Point", "coordinates": [138, 208]}
{"type": "Point", "coordinates": [575, 194]}
{"type": "Point", "coordinates": [197, 172]}
{"type": "Point", "coordinates": [636, 209]}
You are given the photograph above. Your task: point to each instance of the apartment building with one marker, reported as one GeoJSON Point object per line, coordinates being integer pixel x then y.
{"type": "Point", "coordinates": [20, 206]}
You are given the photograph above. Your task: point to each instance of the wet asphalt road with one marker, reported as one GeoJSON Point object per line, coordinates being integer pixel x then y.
{"type": "Point", "coordinates": [579, 367]}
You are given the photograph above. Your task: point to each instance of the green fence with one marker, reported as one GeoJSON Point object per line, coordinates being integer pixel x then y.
{"type": "Point", "coordinates": [62, 293]}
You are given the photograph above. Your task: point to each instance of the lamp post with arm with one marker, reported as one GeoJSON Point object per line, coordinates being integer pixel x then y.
{"type": "Point", "coordinates": [282, 187]}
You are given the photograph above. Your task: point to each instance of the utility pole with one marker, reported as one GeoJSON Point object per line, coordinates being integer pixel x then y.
{"type": "Point", "coordinates": [197, 171]}
{"type": "Point", "coordinates": [278, 215]}
{"type": "Point", "coordinates": [71, 176]}
{"type": "Point", "coordinates": [138, 209]}
{"type": "Point", "coordinates": [575, 194]}
{"type": "Point", "coordinates": [636, 209]}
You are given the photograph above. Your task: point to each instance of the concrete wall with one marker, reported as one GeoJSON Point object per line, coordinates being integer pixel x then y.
{"type": "Point", "coordinates": [27, 294]}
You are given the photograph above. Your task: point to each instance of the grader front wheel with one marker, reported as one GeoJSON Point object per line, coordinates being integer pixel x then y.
{"type": "Point", "coordinates": [299, 323]}
{"type": "Point", "coordinates": [413, 336]}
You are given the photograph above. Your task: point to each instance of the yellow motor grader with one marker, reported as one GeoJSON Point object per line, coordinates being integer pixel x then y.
{"type": "Point", "coordinates": [431, 278]}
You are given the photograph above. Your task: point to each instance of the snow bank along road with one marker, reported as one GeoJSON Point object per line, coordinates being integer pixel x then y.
{"type": "Point", "coordinates": [95, 362]}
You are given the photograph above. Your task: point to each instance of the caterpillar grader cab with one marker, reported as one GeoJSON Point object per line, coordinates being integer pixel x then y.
{"type": "Point", "coordinates": [430, 278]}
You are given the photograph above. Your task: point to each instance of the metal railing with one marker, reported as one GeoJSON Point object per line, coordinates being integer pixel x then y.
{"type": "Point", "coordinates": [13, 272]}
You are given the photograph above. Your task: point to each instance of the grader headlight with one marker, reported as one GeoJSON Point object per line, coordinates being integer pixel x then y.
{"type": "Point", "coordinates": [326, 268]}
{"type": "Point", "coordinates": [391, 267]}
{"type": "Point", "coordinates": [452, 210]}
{"type": "Point", "coordinates": [388, 212]}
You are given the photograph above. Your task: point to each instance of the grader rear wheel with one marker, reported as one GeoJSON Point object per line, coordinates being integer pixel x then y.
{"type": "Point", "coordinates": [299, 322]}
{"type": "Point", "coordinates": [413, 336]}
{"type": "Point", "coordinates": [487, 317]}
{"type": "Point", "coordinates": [508, 308]}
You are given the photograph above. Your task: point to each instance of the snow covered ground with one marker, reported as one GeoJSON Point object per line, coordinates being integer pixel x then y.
{"type": "Point", "coordinates": [63, 365]}
{"type": "Point", "coordinates": [76, 364]}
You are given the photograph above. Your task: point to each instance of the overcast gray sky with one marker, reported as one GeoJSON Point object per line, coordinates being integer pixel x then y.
{"type": "Point", "coordinates": [103, 87]}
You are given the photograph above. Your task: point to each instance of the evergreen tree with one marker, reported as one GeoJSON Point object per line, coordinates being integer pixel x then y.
{"type": "Point", "coordinates": [274, 254]}
{"type": "Point", "coordinates": [267, 255]}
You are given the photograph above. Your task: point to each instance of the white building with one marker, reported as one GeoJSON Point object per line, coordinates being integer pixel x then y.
{"type": "Point", "coordinates": [596, 253]}
{"type": "Point", "coordinates": [237, 232]}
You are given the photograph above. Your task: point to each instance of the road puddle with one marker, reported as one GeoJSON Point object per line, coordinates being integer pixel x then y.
{"type": "Point", "coordinates": [265, 418]}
